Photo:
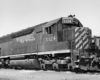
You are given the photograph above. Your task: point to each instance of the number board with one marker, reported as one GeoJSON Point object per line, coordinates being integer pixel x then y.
{"type": "Point", "coordinates": [66, 21]}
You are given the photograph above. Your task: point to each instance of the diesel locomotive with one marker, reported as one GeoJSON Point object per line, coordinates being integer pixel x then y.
{"type": "Point", "coordinates": [60, 44]}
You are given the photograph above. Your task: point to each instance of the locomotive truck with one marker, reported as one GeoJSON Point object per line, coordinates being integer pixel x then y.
{"type": "Point", "coordinates": [60, 44]}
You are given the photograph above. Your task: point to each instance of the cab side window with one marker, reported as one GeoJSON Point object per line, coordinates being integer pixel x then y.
{"type": "Point", "coordinates": [48, 30]}
{"type": "Point", "coordinates": [51, 29]}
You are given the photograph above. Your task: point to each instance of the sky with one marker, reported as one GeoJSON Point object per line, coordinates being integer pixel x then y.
{"type": "Point", "coordinates": [16, 15]}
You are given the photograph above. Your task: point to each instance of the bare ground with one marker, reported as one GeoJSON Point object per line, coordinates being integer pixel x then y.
{"type": "Point", "coordinates": [11, 74]}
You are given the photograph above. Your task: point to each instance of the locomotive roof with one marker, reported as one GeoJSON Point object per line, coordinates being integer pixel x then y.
{"type": "Point", "coordinates": [39, 27]}
{"type": "Point", "coordinates": [36, 28]}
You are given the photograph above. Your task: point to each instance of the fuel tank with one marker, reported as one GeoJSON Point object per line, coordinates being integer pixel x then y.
{"type": "Point", "coordinates": [25, 63]}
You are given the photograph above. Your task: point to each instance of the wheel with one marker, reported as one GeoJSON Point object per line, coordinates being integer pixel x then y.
{"type": "Point", "coordinates": [69, 67]}
{"type": "Point", "coordinates": [43, 67]}
{"type": "Point", "coordinates": [55, 66]}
